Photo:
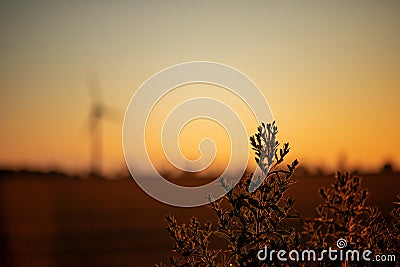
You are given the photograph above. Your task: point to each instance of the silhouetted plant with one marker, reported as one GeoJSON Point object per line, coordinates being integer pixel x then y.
{"type": "Point", "coordinates": [248, 221]}
{"type": "Point", "coordinates": [245, 221]}
{"type": "Point", "coordinates": [344, 214]}
{"type": "Point", "coordinates": [395, 228]}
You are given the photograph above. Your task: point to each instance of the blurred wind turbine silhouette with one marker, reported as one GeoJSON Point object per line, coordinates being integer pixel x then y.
{"type": "Point", "coordinates": [98, 112]}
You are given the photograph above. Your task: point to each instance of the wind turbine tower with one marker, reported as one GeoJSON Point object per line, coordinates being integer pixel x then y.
{"type": "Point", "coordinates": [98, 111]}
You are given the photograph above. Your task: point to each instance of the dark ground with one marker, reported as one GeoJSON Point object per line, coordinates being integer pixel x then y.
{"type": "Point", "coordinates": [54, 220]}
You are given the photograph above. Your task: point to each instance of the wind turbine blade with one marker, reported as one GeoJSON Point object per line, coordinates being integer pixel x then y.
{"type": "Point", "coordinates": [93, 122]}
{"type": "Point", "coordinates": [89, 125]}
{"type": "Point", "coordinates": [85, 127]}
{"type": "Point", "coordinates": [94, 87]}
{"type": "Point", "coordinates": [112, 114]}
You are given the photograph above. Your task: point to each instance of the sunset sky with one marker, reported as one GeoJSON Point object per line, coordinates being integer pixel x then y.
{"type": "Point", "coordinates": [330, 71]}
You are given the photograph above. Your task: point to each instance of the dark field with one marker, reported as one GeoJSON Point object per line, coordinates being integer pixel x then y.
{"type": "Point", "coordinates": [53, 220]}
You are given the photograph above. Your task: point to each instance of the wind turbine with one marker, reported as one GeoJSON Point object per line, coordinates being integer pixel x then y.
{"type": "Point", "coordinates": [97, 113]}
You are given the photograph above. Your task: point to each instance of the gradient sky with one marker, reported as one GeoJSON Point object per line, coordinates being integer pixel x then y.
{"type": "Point", "coordinates": [329, 69]}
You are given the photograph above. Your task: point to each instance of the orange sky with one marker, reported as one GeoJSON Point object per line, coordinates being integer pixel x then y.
{"type": "Point", "coordinates": [329, 70]}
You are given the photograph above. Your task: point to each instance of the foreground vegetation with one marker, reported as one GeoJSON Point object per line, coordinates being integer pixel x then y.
{"type": "Point", "coordinates": [246, 222]}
